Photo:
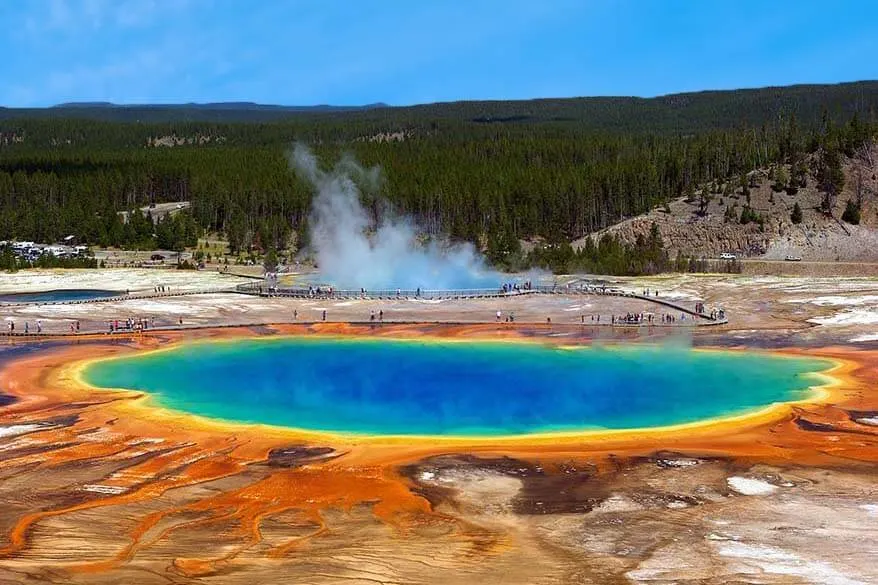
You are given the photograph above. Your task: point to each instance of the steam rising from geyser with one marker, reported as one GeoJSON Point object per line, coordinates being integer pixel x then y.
{"type": "Point", "coordinates": [352, 251]}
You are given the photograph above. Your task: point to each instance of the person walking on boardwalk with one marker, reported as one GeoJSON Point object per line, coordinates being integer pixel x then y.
{"type": "Point", "coordinates": [39, 326]}
{"type": "Point", "coordinates": [324, 314]}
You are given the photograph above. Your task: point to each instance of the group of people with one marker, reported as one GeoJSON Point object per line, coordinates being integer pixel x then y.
{"type": "Point", "coordinates": [514, 287]}
{"type": "Point", "coordinates": [510, 318]}
{"type": "Point", "coordinates": [634, 319]}
{"type": "Point", "coordinates": [317, 291]}
{"type": "Point", "coordinates": [131, 324]}
{"type": "Point", "coordinates": [115, 325]}
{"type": "Point", "coordinates": [714, 314]}
{"type": "Point", "coordinates": [11, 326]}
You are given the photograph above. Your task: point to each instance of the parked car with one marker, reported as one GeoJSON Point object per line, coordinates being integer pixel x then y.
{"type": "Point", "coordinates": [157, 257]}
{"type": "Point", "coordinates": [791, 258]}
{"type": "Point", "coordinates": [727, 256]}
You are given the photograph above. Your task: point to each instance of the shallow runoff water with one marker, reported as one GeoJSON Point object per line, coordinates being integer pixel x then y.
{"type": "Point", "coordinates": [429, 387]}
{"type": "Point", "coordinates": [50, 296]}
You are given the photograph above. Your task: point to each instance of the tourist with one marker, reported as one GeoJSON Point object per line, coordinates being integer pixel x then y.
{"type": "Point", "coordinates": [181, 321]}
{"type": "Point", "coordinates": [39, 326]}
{"type": "Point", "coordinates": [77, 326]}
{"type": "Point", "coordinates": [498, 316]}
{"type": "Point", "coordinates": [381, 315]}
{"type": "Point", "coordinates": [295, 314]}
{"type": "Point", "coordinates": [26, 327]}
{"type": "Point", "coordinates": [324, 314]}
{"type": "Point", "coordinates": [372, 315]}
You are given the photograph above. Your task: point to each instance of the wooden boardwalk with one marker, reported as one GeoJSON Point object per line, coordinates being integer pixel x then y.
{"type": "Point", "coordinates": [259, 289]}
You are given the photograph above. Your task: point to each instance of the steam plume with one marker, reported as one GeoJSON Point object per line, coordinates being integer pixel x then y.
{"type": "Point", "coordinates": [352, 251]}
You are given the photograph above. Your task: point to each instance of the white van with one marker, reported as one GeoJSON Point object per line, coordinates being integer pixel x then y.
{"type": "Point", "coordinates": [727, 256]}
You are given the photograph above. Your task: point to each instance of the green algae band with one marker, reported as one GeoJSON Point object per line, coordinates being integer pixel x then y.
{"type": "Point", "coordinates": [382, 387]}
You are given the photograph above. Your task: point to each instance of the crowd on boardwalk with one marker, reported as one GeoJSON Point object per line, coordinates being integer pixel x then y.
{"type": "Point", "coordinates": [682, 315]}
{"type": "Point", "coordinates": [131, 324]}
{"type": "Point", "coordinates": [641, 318]}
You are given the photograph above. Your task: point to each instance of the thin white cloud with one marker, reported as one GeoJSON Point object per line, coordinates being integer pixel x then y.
{"type": "Point", "coordinates": [79, 16]}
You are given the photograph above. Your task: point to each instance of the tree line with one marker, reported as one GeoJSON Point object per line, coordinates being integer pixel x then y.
{"type": "Point", "coordinates": [467, 176]}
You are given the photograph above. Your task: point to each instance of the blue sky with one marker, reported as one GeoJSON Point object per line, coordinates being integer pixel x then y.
{"type": "Point", "coordinates": [302, 52]}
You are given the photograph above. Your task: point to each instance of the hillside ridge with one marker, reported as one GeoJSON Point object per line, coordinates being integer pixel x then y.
{"type": "Point", "coordinates": [820, 236]}
{"type": "Point", "coordinates": [680, 112]}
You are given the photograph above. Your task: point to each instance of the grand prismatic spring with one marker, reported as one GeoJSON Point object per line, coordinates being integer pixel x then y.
{"type": "Point", "coordinates": [392, 387]}
{"type": "Point", "coordinates": [344, 453]}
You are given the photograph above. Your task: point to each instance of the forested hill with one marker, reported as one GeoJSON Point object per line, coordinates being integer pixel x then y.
{"type": "Point", "coordinates": [683, 112]}
{"type": "Point", "coordinates": [488, 172]}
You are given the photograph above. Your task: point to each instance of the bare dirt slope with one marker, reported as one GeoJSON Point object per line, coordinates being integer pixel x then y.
{"type": "Point", "coordinates": [818, 238]}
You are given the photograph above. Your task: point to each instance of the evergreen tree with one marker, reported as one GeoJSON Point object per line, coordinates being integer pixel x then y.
{"type": "Point", "coordinates": [270, 261]}
{"type": "Point", "coordinates": [851, 213]}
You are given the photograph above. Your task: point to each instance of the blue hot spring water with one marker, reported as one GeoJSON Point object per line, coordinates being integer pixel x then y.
{"type": "Point", "coordinates": [429, 387]}
{"type": "Point", "coordinates": [57, 295]}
